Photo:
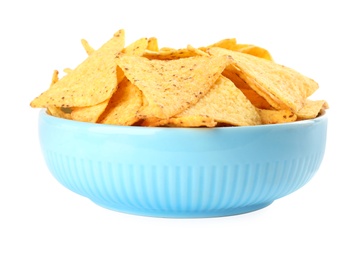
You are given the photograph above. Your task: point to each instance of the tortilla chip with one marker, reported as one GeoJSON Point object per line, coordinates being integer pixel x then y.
{"type": "Point", "coordinates": [197, 51]}
{"type": "Point", "coordinates": [136, 48]}
{"type": "Point", "coordinates": [153, 122]}
{"type": "Point", "coordinates": [191, 121]}
{"type": "Point", "coordinates": [89, 50]}
{"type": "Point", "coordinates": [152, 44]}
{"type": "Point", "coordinates": [55, 78]}
{"type": "Point", "coordinates": [171, 54]}
{"type": "Point", "coordinates": [90, 83]}
{"type": "Point", "coordinates": [58, 112]}
{"type": "Point", "coordinates": [256, 51]}
{"type": "Point", "coordinates": [171, 86]}
{"type": "Point", "coordinates": [123, 106]}
{"type": "Point", "coordinates": [257, 100]}
{"type": "Point", "coordinates": [229, 44]}
{"type": "Point", "coordinates": [89, 114]}
{"type": "Point", "coordinates": [224, 103]}
{"type": "Point", "coordinates": [231, 72]}
{"type": "Point", "coordinates": [269, 116]}
{"type": "Point", "coordinates": [311, 109]}
{"type": "Point", "coordinates": [282, 87]}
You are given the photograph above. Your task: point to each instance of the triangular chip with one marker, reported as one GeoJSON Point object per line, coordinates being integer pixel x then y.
{"type": "Point", "coordinates": [257, 100]}
{"type": "Point", "coordinates": [282, 87]}
{"type": "Point", "coordinates": [89, 114]}
{"type": "Point", "coordinates": [256, 51]}
{"type": "Point", "coordinates": [123, 106]}
{"type": "Point", "coordinates": [171, 86]}
{"type": "Point", "coordinates": [90, 83]}
{"type": "Point", "coordinates": [229, 43]}
{"type": "Point", "coordinates": [88, 48]}
{"type": "Point", "coordinates": [153, 44]}
{"type": "Point", "coordinates": [311, 109]}
{"type": "Point", "coordinates": [269, 116]}
{"type": "Point", "coordinates": [58, 112]}
{"type": "Point", "coordinates": [224, 103]}
{"type": "Point", "coordinates": [231, 72]}
{"type": "Point", "coordinates": [191, 121]}
{"type": "Point", "coordinates": [171, 54]}
{"type": "Point", "coordinates": [136, 48]}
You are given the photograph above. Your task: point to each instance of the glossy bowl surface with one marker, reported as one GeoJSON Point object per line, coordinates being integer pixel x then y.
{"type": "Point", "coordinates": [182, 172]}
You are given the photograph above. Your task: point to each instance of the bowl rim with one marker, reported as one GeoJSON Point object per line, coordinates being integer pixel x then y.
{"type": "Point", "coordinates": [323, 116]}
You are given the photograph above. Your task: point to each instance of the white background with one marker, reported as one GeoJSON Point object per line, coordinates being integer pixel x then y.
{"type": "Point", "coordinates": [40, 219]}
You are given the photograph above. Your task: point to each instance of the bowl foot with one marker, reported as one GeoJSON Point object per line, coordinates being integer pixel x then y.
{"type": "Point", "coordinates": [161, 213]}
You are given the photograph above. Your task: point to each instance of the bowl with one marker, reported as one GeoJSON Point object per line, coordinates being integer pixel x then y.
{"type": "Point", "coordinates": [182, 172]}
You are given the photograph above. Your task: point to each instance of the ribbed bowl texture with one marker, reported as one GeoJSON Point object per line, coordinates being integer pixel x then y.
{"type": "Point", "coordinates": [182, 172]}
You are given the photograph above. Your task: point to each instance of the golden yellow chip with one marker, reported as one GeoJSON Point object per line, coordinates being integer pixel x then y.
{"type": "Point", "coordinates": [153, 121]}
{"type": "Point", "coordinates": [89, 50]}
{"type": "Point", "coordinates": [229, 44]}
{"type": "Point", "coordinates": [58, 112]}
{"type": "Point", "coordinates": [152, 44]}
{"type": "Point", "coordinates": [223, 84]}
{"type": "Point", "coordinates": [171, 54]}
{"type": "Point", "coordinates": [55, 78]}
{"type": "Point", "coordinates": [90, 83]}
{"type": "Point", "coordinates": [257, 100]}
{"type": "Point", "coordinates": [136, 48]}
{"type": "Point", "coordinates": [256, 51]}
{"type": "Point", "coordinates": [276, 116]}
{"type": "Point", "coordinates": [167, 49]}
{"type": "Point", "coordinates": [89, 114]}
{"type": "Point", "coordinates": [123, 106]}
{"type": "Point", "coordinates": [311, 109]}
{"type": "Point", "coordinates": [224, 103]}
{"type": "Point", "coordinates": [191, 121]}
{"type": "Point", "coordinates": [231, 72]}
{"type": "Point", "coordinates": [197, 51]}
{"type": "Point", "coordinates": [282, 87]}
{"type": "Point", "coordinates": [171, 86]}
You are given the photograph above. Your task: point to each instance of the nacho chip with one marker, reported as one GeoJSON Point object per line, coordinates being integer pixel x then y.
{"type": "Point", "coordinates": [256, 51]}
{"type": "Point", "coordinates": [192, 121]}
{"type": "Point", "coordinates": [123, 106]}
{"type": "Point", "coordinates": [154, 121]}
{"type": "Point", "coordinates": [224, 103]}
{"type": "Point", "coordinates": [93, 113]}
{"type": "Point", "coordinates": [229, 44]}
{"type": "Point", "coordinates": [171, 54]}
{"type": "Point", "coordinates": [171, 86]}
{"type": "Point", "coordinates": [89, 50]}
{"type": "Point", "coordinates": [231, 72]}
{"type": "Point", "coordinates": [197, 51]}
{"type": "Point", "coordinates": [152, 44]}
{"type": "Point", "coordinates": [136, 48]}
{"type": "Point", "coordinates": [311, 109]}
{"type": "Point", "coordinates": [89, 114]}
{"type": "Point", "coordinates": [257, 100]}
{"type": "Point", "coordinates": [58, 112]}
{"type": "Point", "coordinates": [223, 84]}
{"type": "Point", "coordinates": [55, 78]}
{"type": "Point", "coordinates": [269, 116]}
{"type": "Point", "coordinates": [90, 83]}
{"type": "Point", "coordinates": [282, 87]}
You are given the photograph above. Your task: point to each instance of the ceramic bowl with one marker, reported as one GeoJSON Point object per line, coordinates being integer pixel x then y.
{"type": "Point", "coordinates": [182, 172]}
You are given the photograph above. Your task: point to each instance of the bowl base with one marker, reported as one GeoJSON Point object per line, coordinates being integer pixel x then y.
{"type": "Point", "coordinates": [183, 213]}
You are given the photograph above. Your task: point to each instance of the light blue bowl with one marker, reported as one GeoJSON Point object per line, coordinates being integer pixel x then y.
{"type": "Point", "coordinates": [182, 172]}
